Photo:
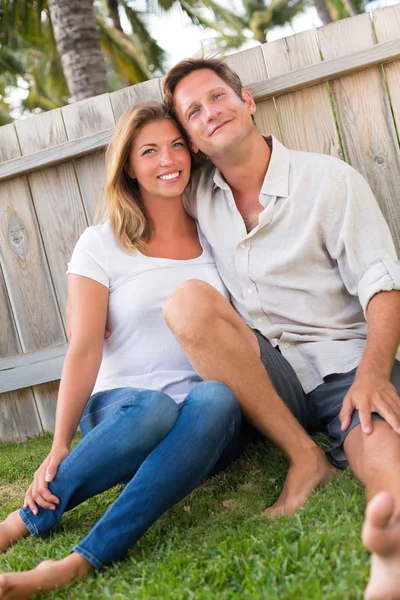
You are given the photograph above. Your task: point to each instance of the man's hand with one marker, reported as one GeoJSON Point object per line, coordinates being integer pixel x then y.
{"type": "Point", "coordinates": [38, 493]}
{"type": "Point", "coordinates": [371, 393]}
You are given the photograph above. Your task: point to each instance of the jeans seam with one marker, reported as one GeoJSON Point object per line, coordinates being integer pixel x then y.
{"type": "Point", "coordinates": [33, 530]}
{"type": "Point", "coordinates": [88, 556]}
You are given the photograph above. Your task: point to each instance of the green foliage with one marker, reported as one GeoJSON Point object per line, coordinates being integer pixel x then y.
{"type": "Point", "coordinates": [216, 544]}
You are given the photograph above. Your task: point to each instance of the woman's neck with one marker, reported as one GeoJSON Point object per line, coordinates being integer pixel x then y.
{"type": "Point", "coordinates": [168, 216]}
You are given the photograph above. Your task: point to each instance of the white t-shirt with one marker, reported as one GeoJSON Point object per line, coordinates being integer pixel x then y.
{"type": "Point", "coordinates": [141, 351]}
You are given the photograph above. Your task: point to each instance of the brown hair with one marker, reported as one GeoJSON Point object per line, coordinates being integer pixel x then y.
{"type": "Point", "coordinates": [188, 66]}
{"type": "Point", "coordinates": [121, 203]}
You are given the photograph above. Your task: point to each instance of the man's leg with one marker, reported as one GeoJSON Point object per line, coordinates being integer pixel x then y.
{"type": "Point", "coordinates": [374, 460]}
{"type": "Point", "coordinates": [221, 347]}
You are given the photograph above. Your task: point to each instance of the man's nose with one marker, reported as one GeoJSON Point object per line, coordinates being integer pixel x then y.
{"type": "Point", "coordinates": [211, 111]}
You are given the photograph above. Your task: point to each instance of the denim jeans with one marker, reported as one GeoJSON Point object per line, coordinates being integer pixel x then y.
{"type": "Point", "coordinates": [160, 449]}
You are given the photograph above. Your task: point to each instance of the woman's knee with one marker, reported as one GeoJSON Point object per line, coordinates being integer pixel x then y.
{"type": "Point", "coordinates": [219, 401]}
{"type": "Point", "coordinates": [158, 412]}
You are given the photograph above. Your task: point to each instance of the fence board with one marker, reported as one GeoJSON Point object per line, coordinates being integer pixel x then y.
{"type": "Point", "coordinates": [306, 116]}
{"type": "Point", "coordinates": [82, 119]}
{"type": "Point", "coordinates": [9, 342]}
{"type": "Point", "coordinates": [56, 197]}
{"type": "Point", "coordinates": [123, 99]}
{"type": "Point", "coordinates": [387, 28]}
{"type": "Point", "coordinates": [250, 66]}
{"type": "Point", "coordinates": [364, 116]}
{"type": "Point", "coordinates": [19, 417]}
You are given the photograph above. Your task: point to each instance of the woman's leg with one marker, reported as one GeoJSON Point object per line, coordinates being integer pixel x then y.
{"type": "Point", "coordinates": [110, 453]}
{"type": "Point", "coordinates": [209, 423]}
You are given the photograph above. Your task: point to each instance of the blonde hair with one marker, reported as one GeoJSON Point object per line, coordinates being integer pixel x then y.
{"type": "Point", "coordinates": [121, 203]}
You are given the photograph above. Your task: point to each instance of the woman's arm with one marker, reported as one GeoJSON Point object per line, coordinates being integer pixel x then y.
{"type": "Point", "coordinates": [88, 301]}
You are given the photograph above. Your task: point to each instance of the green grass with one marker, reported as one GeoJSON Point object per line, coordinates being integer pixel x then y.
{"type": "Point", "coordinates": [216, 544]}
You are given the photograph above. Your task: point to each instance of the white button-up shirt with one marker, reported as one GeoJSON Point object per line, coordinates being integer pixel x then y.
{"type": "Point", "coordinates": [305, 274]}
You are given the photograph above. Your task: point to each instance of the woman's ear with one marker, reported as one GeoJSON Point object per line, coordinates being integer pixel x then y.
{"type": "Point", "coordinates": [129, 172]}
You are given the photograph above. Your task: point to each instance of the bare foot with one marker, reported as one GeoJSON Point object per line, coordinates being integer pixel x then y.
{"type": "Point", "coordinates": [303, 477]}
{"type": "Point", "coordinates": [11, 530]}
{"type": "Point", "coordinates": [46, 577]}
{"type": "Point", "coordinates": [381, 535]}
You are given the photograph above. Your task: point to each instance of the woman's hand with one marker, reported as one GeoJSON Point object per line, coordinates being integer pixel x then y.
{"type": "Point", "coordinates": [38, 493]}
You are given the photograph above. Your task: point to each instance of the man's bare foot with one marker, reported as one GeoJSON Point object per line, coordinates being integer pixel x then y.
{"type": "Point", "coordinates": [381, 535]}
{"type": "Point", "coordinates": [11, 530]}
{"type": "Point", "coordinates": [46, 577]}
{"type": "Point", "coordinates": [303, 477]}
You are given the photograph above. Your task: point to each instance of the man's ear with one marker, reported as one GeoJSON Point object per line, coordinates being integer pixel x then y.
{"type": "Point", "coordinates": [249, 101]}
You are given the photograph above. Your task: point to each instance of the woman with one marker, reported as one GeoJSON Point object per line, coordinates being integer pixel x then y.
{"type": "Point", "coordinates": [150, 422]}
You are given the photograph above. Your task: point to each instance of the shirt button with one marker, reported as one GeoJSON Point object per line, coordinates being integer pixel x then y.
{"type": "Point", "coordinates": [250, 291]}
{"type": "Point", "coordinates": [260, 320]}
{"type": "Point", "coordinates": [286, 345]}
{"type": "Point", "coordinates": [242, 245]}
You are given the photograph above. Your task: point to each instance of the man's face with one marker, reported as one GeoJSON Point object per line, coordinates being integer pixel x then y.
{"type": "Point", "coordinates": [215, 118]}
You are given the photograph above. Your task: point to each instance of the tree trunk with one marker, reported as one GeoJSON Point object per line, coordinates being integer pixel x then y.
{"type": "Point", "coordinates": [322, 11]}
{"type": "Point", "coordinates": [351, 7]}
{"type": "Point", "coordinates": [114, 14]}
{"type": "Point", "coordinates": [78, 43]}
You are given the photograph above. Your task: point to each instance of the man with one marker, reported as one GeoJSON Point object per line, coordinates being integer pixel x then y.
{"type": "Point", "coordinates": [301, 245]}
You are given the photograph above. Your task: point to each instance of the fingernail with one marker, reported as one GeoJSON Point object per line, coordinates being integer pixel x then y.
{"type": "Point", "coordinates": [367, 430]}
{"type": "Point", "coordinates": [48, 477]}
{"type": "Point", "coordinates": [398, 430]}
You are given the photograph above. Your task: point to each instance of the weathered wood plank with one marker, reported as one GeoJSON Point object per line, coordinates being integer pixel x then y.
{"type": "Point", "coordinates": [9, 342]}
{"type": "Point", "coordinates": [123, 99]}
{"type": "Point", "coordinates": [19, 417]}
{"type": "Point", "coordinates": [387, 27]}
{"type": "Point", "coordinates": [306, 116]}
{"type": "Point", "coordinates": [55, 155]}
{"type": "Point", "coordinates": [364, 116]}
{"type": "Point", "coordinates": [56, 196]}
{"type": "Point", "coordinates": [251, 68]}
{"type": "Point", "coordinates": [82, 119]}
{"type": "Point", "coordinates": [37, 367]}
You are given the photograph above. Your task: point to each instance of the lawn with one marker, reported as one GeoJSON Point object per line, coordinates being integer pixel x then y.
{"type": "Point", "coordinates": [216, 544]}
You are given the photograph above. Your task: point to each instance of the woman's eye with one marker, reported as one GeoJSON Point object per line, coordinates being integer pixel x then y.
{"type": "Point", "coordinates": [178, 144]}
{"type": "Point", "coordinates": [148, 151]}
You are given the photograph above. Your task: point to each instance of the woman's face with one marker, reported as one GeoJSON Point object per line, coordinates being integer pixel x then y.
{"type": "Point", "coordinates": [160, 160]}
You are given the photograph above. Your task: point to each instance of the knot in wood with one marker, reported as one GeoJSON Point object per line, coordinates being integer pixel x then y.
{"type": "Point", "coordinates": [16, 233]}
{"type": "Point", "coordinates": [380, 160]}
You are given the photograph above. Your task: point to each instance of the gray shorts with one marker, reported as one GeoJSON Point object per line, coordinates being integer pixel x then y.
{"type": "Point", "coordinates": [318, 410]}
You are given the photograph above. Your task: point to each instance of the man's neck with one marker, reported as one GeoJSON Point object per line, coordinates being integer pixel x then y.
{"type": "Point", "coordinates": [245, 167]}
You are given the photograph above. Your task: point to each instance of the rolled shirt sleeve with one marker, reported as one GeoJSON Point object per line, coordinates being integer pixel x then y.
{"type": "Point", "coordinates": [358, 238]}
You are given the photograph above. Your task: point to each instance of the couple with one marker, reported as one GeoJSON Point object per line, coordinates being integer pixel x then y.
{"type": "Point", "coordinates": [307, 261]}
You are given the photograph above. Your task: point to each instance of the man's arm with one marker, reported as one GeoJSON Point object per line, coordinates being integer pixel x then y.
{"type": "Point", "coordinates": [372, 390]}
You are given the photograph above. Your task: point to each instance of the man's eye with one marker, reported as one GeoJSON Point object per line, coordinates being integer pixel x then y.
{"type": "Point", "coordinates": [218, 95]}
{"type": "Point", "coordinates": [193, 112]}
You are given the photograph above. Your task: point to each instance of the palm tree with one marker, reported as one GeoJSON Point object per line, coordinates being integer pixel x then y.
{"type": "Point", "coordinates": [261, 17]}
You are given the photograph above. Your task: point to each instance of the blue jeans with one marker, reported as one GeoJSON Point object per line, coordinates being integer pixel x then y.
{"type": "Point", "coordinates": [161, 449]}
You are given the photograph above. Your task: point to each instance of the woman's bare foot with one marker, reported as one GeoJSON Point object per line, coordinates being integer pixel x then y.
{"type": "Point", "coordinates": [47, 576]}
{"type": "Point", "coordinates": [381, 535]}
{"type": "Point", "coordinates": [11, 530]}
{"type": "Point", "coordinates": [303, 477]}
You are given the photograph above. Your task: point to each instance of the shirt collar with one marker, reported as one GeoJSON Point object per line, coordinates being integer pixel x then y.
{"type": "Point", "coordinates": [276, 181]}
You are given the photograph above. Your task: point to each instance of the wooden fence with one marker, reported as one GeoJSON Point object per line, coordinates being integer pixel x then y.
{"type": "Point", "coordinates": [336, 91]}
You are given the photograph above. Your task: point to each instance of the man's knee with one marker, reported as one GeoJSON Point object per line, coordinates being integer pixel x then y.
{"type": "Point", "coordinates": [189, 309]}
